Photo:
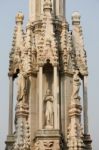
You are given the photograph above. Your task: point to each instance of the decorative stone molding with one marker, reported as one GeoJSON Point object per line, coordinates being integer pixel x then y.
{"type": "Point", "coordinates": [47, 139]}
{"type": "Point", "coordinates": [22, 134]}
{"type": "Point", "coordinates": [47, 145]}
{"type": "Point", "coordinates": [75, 130]}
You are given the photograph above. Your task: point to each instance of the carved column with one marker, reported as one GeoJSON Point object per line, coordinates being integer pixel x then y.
{"type": "Point", "coordinates": [85, 105]}
{"type": "Point", "coordinates": [60, 8]}
{"type": "Point", "coordinates": [75, 134]}
{"type": "Point", "coordinates": [87, 138]}
{"type": "Point", "coordinates": [22, 135]}
{"type": "Point", "coordinates": [54, 7]}
{"type": "Point", "coordinates": [55, 98]}
{"type": "Point", "coordinates": [30, 107]}
{"type": "Point", "coordinates": [57, 7]}
{"type": "Point", "coordinates": [40, 97]}
{"type": "Point", "coordinates": [32, 10]}
{"type": "Point", "coordinates": [10, 131]}
{"type": "Point", "coordinates": [38, 9]}
{"type": "Point", "coordinates": [41, 7]}
{"type": "Point", "coordinates": [64, 8]}
{"type": "Point", "coordinates": [10, 138]}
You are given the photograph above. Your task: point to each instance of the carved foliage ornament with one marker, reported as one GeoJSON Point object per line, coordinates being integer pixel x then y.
{"type": "Point", "coordinates": [47, 145]}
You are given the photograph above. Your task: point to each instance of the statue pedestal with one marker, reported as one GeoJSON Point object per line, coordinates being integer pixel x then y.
{"type": "Point", "coordinates": [9, 142]}
{"type": "Point", "coordinates": [47, 140]}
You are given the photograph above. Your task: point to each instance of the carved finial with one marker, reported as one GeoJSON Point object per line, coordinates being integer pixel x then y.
{"type": "Point", "coordinates": [76, 18]}
{"type": "Point", "coordinates": [19, 18]}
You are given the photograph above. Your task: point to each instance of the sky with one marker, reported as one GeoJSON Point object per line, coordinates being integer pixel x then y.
{"type": "Point", "coordinates": [89, 10]}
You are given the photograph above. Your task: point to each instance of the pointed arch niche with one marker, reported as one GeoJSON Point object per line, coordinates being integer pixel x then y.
{"type": "Point", "coordinates": [47, 77]}
{"type": "Point", "coordinates": [12, 101]}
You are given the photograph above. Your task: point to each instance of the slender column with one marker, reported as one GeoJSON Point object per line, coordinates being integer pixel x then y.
{"type": "Point", "coordinates": [30, 106]}
{"type": "Point", "coordinates": [54, 7]}
{"type": "Point", "coordinates": [55, 98]}
{"type": "Point", "coordinates": [10, 132]}
{"type": "Point", "coordinates": [32, 10]}
{"type": "Point", "coordinates": [57, 7]}
{"type": "Point", "coordinates": [64, 8]}
{"type": "Point", "coordinates": [38, 9]}
{"type": "Point", "coordinates": [85, 105]}
{"type": "Point", "coordinates": [60, 8]}
{"type": "Point", "coordinates": [41, 7]}
{"type": "Point", "coordinates": [40, 98]}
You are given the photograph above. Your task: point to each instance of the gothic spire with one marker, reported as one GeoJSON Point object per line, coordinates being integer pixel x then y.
{"type": "Point", "coordinates": [19, 33]}
{"type": "Point", "coordinates": [48, 61]}
{"type": "Point", "coordinates": [17, 44]}
{"type": "Point", "coordinates": [78, 43]}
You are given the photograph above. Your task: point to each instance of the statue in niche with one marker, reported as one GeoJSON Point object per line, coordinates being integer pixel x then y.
{"type": "Point", "coordinates": [76, 85]}
{"type": "Point", "coordinates": [48, 115]}
{"type": "Point", "coordinates": [22, 90]}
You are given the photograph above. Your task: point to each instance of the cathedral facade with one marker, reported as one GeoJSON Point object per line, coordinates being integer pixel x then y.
{"type": "Point", "coordinates": [49, 62]}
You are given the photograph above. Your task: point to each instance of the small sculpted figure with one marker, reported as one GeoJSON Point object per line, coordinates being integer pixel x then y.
{"type": "Point", "coordinates": [48, 101]}
{"type": "Point", "coordinates": [21, 97]}
{"type": "Point", "coordinates": [76, 85]}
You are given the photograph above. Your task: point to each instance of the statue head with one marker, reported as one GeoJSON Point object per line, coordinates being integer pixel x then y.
{"type": "Point", "coordinates": [48, 92]}
{"type": "Point", "coordinates": [76, 71]}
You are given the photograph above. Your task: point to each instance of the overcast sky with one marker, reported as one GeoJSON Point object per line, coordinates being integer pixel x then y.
{"type": "Point", "coordinates": [89, 10]}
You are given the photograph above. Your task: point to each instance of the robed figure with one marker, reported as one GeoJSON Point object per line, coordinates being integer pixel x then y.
{"type": "Point", "coordinates": [76, 85]}
{"type": "Point", "coordinates": [22, 88]}
{"type": "Point", "coordinates": [48, 113]}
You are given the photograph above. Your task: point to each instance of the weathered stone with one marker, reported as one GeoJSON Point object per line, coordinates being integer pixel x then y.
{"type": "Point", "coordinates": [48, 56]}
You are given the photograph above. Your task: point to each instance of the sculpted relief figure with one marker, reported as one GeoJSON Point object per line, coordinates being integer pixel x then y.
{"type": "Point", "coordinates": [21, 97]}
{"type": "Point", "coordinates": [76, 85]}
{"type": "Point", "coordinates": [48, 103]}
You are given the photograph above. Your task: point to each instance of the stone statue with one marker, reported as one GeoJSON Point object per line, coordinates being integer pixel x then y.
{"type": "Point", "coordinates": [76, 85]}
{"type": "Point", "coordinates": [48, 101]}
{"type": "Point", "coordinates": [21, 97]}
